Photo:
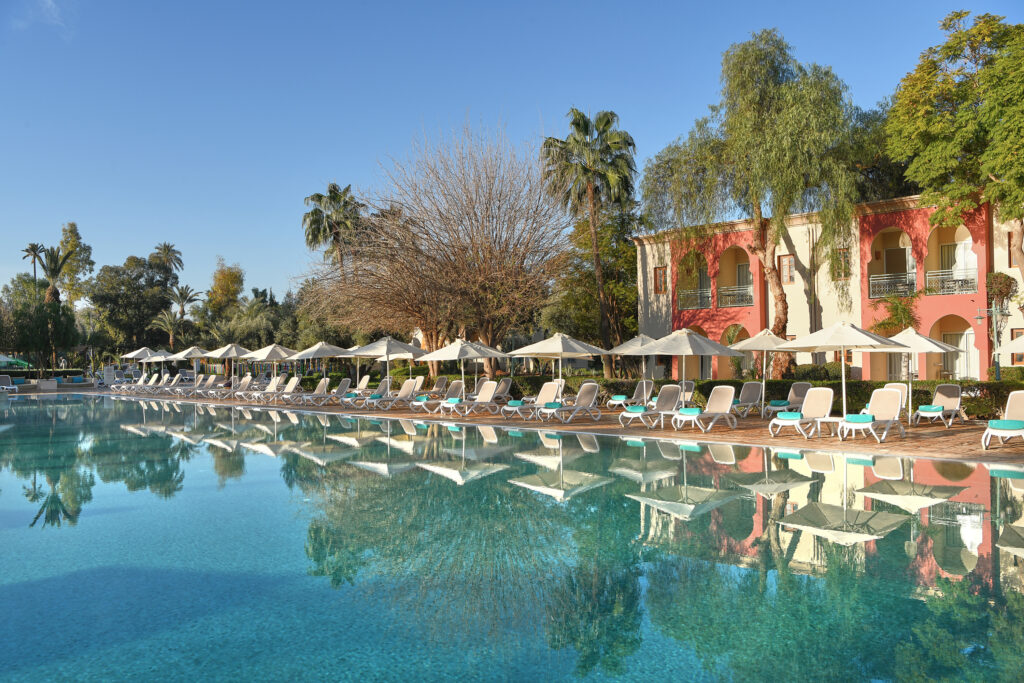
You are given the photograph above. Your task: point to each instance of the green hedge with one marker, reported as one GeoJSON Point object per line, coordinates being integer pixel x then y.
{"type": "Point", "coordinates": [34, 374]}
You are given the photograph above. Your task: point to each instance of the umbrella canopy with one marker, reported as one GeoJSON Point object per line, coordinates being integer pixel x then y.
{"type": "Point", "coordinates": [763, 341]}
{"type": "Point", "coordinates": [842, 337]}
{"type": "Point", "coordinates": [643, 470]}
{"type": "Point", "coordinates": [768, 483]}
{"type": "Point", "coordinates": [190, 353]}
{"type": "Point", "coordinates": [387, 347]}
{"type": "Point", "coordinates": [685, 502]}
{"type": "Point", "coordinates": [634, 347]}
{"type": "Point", "coordinates": [1012, 540]}
{"type": "Point", "coordinates": [462, 472]}
{"type": "Point", "coordinates": [228, 351]}
{"type": "Point", "coordinates": [320, 350]}
{"type": "Point", "coordinates": [558, 345]}
{"type": "Point", "coordinates": [909, 495]}
{"type": "Point", "coordinates": [915, 342]}
{"type": "Point", "coordinates": [843, 526]}
{"type": "Point", "coordinates": [689, 343]}
{"type": "Point", "coordinates": [561, 485]}
{"type": "Point", "coordinates": [157, 356]}
{"type": "Point", "coordinates": [138, 354]}
{"type": "Point", "coordinates": [269, 354]}
{"type": "Point", "coordinates": [462, 350]}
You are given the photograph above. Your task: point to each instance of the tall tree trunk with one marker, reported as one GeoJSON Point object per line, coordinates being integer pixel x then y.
{"type": "Point", "coordinates": [602, 305]}
{"type": "Point", "coordinates": [763, 246]}
{"type": "Point", "coordinates": [1017, 246]}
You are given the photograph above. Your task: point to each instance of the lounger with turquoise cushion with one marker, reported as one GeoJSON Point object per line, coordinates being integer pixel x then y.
{"type": "Point", "coordinates": [945, 406]}
{"type": "Point", "coordinates": [886, 405]}
{"type": "Point", "coordinates": [794, 400]}
{"type": "Point", "coordinates": [1012, 423]}
{"type": "Point", "coordinates": [641, 394]}
{"type": "Point", "coordinates": [686, 416]}
{"type": "Point", "coordinates": [667, 403]}
{"type": "Point", "coordinates": [748, 399]}
{"type": "Point", "coordinates": [817, 406]}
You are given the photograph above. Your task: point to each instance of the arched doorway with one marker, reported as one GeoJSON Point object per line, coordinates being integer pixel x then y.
{"type": "Point", "coordinates": [952, 329]}
{"type": "Point", "coordinates": [733, 368]}
{"type": "Point", "coordinates": [734, 284]}
{"type": "Point", "coordinates": [892, 268]}
{"type": "Point", "coordinates": [696, 367]}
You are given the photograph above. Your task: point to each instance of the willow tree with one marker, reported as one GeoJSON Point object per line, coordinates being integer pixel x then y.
{"type": "Point", "coordinates": [775, 144]}
{"type": "Point", "coordinates": [958, 116]}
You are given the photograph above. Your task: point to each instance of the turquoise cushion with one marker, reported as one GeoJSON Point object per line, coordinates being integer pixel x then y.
{"type": "Point", "coordinates": [375, 396]}
{"type": "Point", "coordinates": [636, 443]}
{"type": "Point", "coordinates": [790, 416]}
{"type": "Point", "coordinates": [515, 433]}
{"type": "Point", "coordinates": [735, 401]}
{"type": "Point", "coordinates": [861, 419]}
{"type": "Point", "coordinates": [454, 399]}
{"type": "Point", "coordinates": [689, 411]}
{"type": "Point", "coordinates": [551, 405]}
{"type": "Point", "coordinates": [929, 409]}
{"type": "Point", "coordinates": [515, 404]}
{"type": "Point", "coordinates": [351, 395]}
{"type": "Point", "coordinates": [422, 399]}
{"type": "Point", "coordinates": [778, 404]}
{"type": "Point", "coordinates": [690, 447]}
{"type": "Point", "coordinates": [635, 409]}
{"type": "Point", "coordinates": [1006, 424]}
{"type": "Point", "coordinates": [787, 455]}
{"type": "Point", "coordinates": [60, 380]}
{"type": "Point", "coordinates": [76, 380]}
{"type": "Point", "coordinates": [18, 380]}
{"type": "Point", "coordinates": [619, 397]}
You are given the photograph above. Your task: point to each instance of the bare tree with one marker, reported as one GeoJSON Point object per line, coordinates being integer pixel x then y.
{"type": "Point", "coordinates": [463, 237]}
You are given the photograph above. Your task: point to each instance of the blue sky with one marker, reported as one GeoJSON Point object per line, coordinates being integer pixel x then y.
{"type": "Point", "coordinates": [206, 123]}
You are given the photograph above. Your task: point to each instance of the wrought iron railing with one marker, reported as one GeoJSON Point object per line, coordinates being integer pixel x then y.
{"type": "Point", "coordinates": [690, 299]}
{"type": "Point", "coordinates": [901, 284]}
{"type": "Point", "coordinates": [731, 297]}
{"type": "Point", "coordinates": [952, 281]}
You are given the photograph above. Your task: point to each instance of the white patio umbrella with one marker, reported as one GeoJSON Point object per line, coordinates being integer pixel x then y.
{"type": "Point", "coordinates": [320, 350]}
{"type": "Point", "coordinates": [274, 353]}
{"type": "Point", "coordinates": [462, 350]}
{"type": "Point", "coordinates": [138, 354]}
{"type": "Point", "coordinates": [388, 348]}
{"type": "Point", "coordinates": [157, 357]}
{"type": "Point", "coordinates": [635, 347]}
{"type": "Point", "coordinates": [228, 352]}
{"type": "Point", "coordinates": [688, 343]}
{"type": "Point", "coordinates": [763, 341]}
{"type": "Point", "coordinates": [192, 353]}
{"type": "Point", "coordinates": [558, 346]}
{"type": "Point", "coordinates": [841, 337]}
{"type": "Point", "coordinates": [915, 342]}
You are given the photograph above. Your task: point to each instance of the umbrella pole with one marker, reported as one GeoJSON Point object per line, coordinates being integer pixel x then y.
{"type": "Point", "coordinates": [764, 379]}
{"type": "Point", "coordinates": [910, 386]}
{"type": "Point", "coordinates": [842, 373]}
{"type": "Point", "coordinates": [462, 364]}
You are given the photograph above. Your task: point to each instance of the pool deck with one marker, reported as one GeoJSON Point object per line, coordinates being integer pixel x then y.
{"type": "Point", "coordinates": [962, 442]}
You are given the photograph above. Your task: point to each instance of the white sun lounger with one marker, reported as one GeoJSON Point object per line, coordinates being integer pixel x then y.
{"type": "Point", "coordinates": [585, 403]}
{"type": "Point", "coordinates": [641, 395]}
{"type": "Point", "coordinates": [945, 406]}
{"type": "Point", "coordinates": [666, 403]}
{"type": "Point", "coordinates": [885, 413]}
{"type": "Point", "coordinates": [749, 398]}
{"type": "Point", "coordinates": [1011, 424]}
{"type": "Point", "coordinates": [817, 405]}
{"type": "Point", "coordinates": [433, 405]}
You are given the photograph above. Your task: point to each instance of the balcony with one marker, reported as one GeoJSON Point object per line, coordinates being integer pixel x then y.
{"type": "Point", "coordinates": [900, 284]}
{"type": "Point", "coordinates": [692, 299]}
{"type": "Point", "coordinates": [953, 281]}
{"type": "Point", "coordinates": [733, 297]}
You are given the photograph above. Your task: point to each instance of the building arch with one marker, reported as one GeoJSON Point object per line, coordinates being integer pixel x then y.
{"type": "Point", "coordinates": [729, 367]}
{"type": "Point", "coordinates": [955, 330]}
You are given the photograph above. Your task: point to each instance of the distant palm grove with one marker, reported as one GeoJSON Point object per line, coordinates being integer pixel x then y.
{"type": "Point", "coordinates": [478, 237]}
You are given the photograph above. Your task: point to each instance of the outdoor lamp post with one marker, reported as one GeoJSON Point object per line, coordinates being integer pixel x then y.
{"type": "Point", "coordinates": [996, 314]}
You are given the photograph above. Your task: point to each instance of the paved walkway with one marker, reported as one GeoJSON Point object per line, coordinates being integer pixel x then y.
{"type": "Point", "coordinates": [961, 442]}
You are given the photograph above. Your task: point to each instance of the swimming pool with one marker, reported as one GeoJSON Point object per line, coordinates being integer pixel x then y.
{"type": "Point", "coordinates": [162, 540]}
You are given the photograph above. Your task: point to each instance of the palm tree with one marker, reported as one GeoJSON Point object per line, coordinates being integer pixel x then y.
{"type": "Point", "coordinates": [53, 263]}
{"type": "Point", "coordinates": [167, 322]}
{"type": "Point", "coordinates": [594, 164]}
{"type": "Point", "coordinates": [167, 254]}
{"type": "Point", "coordinates": [33, 252]}
{"type": "Point", "coordinates": [182, 296]}
{"type": "Point", "coordinates": [333, 220]}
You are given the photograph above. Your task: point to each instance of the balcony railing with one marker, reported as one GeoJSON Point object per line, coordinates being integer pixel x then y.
{"type": "Point", "coordinates": [690, 299]}
{"type": "Point", "coordinates": [731, 297]}
{"type": "Point", "coordinates": [900, 284]}
{"type": "Point", "coordinates": [954, 281]}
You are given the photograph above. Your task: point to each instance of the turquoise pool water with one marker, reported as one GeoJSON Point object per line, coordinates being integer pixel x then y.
{"type": "Point", "coordinates": [162, 541]}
